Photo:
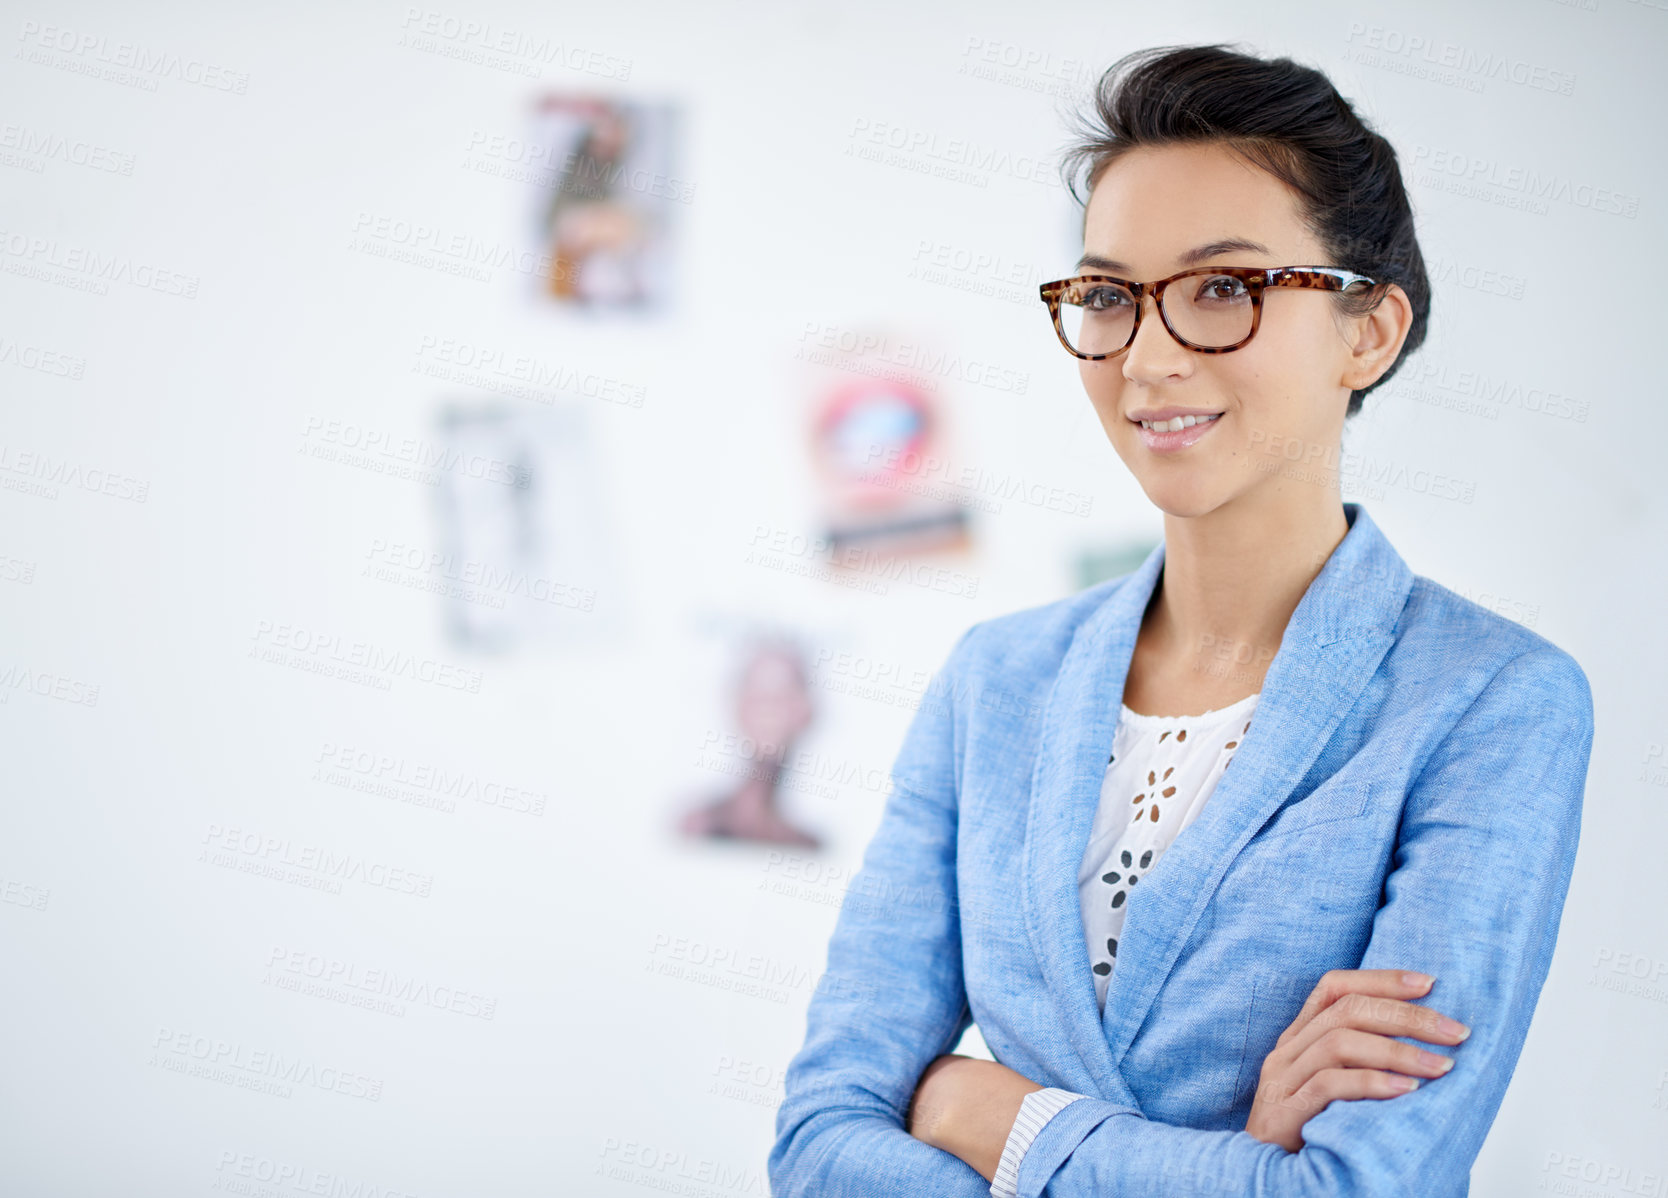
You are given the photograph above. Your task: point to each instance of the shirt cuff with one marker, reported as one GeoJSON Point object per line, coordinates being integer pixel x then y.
{"type": "Point", "coordinates": [1038, 1108]}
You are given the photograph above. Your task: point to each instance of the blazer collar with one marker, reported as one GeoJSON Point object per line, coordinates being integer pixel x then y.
{"type": "Point", "coordinates": [1336, 637]}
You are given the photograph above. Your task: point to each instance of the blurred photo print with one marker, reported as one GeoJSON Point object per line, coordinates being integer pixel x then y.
{"type": "Point", "coordinates": [610, 214]}
{"type": "Point", "coordinates": [522, 522]}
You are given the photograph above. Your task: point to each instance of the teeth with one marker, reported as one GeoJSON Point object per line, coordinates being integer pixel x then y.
{"type": "Point", "coordinates": [1177, 423]}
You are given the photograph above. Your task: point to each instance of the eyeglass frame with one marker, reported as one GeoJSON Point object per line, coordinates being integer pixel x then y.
{"type": "Point", "coordinates": [1256, 278]}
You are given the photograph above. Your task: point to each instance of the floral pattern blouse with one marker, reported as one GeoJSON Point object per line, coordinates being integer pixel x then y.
{"type": "Point", "coordinates": [1161, 773]}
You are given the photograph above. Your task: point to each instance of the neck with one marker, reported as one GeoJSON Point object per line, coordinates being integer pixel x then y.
{"type": "Point", "coordinates": [1237, 573]}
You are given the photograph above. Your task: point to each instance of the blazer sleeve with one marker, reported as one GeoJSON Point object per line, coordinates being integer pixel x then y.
{"type": "Point", "coordinates": [1481, 868]}
{"type": "Point", "coordinates": [892, 996]}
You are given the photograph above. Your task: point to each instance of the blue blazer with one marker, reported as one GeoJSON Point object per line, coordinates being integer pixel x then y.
{"type": "Point", "coordinates": [1409, 796]}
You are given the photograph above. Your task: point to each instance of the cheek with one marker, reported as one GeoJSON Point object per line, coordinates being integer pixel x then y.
{"type": "Point", "coordinates": [1279, 386]}
{"type": "Point", "coordinates": [1104, 388]}
{"type": "Point", "coordinates": [1297, 345]}
{"type": "Point", "coordinates": [1105, 391]}
{"type": "Point", "coordinates": [1264, 379]}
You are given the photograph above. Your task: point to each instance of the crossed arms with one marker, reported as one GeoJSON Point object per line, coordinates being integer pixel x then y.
{"type": "Point", "coordinates": [1476, 889]}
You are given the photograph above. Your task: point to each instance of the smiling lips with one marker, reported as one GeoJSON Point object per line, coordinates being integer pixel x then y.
{"type": "Point", "coordinates": [1176, 423]}
{"type": "Point", "coordinates": [1164, 431]}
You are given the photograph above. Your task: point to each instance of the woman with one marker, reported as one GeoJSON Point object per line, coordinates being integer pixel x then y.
{"type": "Point", "coordinates": [1312, 972]}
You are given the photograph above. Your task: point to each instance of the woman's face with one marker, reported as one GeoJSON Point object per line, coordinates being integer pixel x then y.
{"type": "Point", "coordinates": [1148, 212]}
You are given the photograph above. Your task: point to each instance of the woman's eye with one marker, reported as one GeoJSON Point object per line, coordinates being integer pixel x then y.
{"type": "Point", "coordinates": [1102, 299]}
{"type": "Point", "coordinates": [1222, 287]}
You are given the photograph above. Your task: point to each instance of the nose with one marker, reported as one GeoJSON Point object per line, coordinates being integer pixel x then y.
{"type": "Point", "coordinates": [1154, 355]}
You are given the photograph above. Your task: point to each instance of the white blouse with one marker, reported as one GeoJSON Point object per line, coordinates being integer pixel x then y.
{"type": "Point", "coordinates": [1159, 778]}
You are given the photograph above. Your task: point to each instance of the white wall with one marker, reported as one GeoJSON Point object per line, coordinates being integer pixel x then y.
{"type": "Point", "coordinates": [115, 935]}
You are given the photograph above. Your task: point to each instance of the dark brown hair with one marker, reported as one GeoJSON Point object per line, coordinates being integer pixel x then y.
{"type": "Point", "coordinates": [1289, 120]}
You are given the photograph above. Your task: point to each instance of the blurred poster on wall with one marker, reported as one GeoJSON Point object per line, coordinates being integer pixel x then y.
{"type": "Point", "coordinates": [883, 455]}
{"type": "Point", "coordinates": [749, 748]}
{"type": "Point", "coordinates": [609, 217]}
{"type": "Point", "coordinates": [522, 525]}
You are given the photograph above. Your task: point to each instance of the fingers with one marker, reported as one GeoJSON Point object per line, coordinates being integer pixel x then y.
{"type": "Point", "coordinates": [1385, 1016]}
{"type": "Point", "coordinates": [1329, 1085]}
{"type": "Point", "coordinates": [1337, 983]}
{"type": "Point", "coordinates": [1351, 1048]}
{"type": "Point", "coordinates": [1393, 1017]}
{"type": "Point", "coordinates": [1281, 1111]}
{"type": "Point", "coordinates": [1347, 1042]}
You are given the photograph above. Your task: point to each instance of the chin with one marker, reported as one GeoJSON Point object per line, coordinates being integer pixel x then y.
{"type": "Point", "coordinates": [1183, 497]}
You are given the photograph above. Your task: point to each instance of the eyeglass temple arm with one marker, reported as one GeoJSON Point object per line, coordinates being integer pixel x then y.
{"type": "Point", "coordinates": [1346, 278]}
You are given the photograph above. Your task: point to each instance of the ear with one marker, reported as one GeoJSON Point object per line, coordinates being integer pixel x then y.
{"type": "Point", "coordinates": [1378, 338]}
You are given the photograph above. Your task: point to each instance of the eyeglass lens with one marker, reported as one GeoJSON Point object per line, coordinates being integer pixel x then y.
{"type": "Point", "coordinates": [1208, 310]}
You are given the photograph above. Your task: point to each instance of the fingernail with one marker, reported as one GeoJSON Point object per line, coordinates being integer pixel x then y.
{"type": "Point", "coordinates": [1436, 1060]}
{"type": "Point", "coordinates": [1417, 979]}
{"type": "Point", "coordinates": [1405, 1083]}
{"type": "Point", "coordinates": [1452, 1027]}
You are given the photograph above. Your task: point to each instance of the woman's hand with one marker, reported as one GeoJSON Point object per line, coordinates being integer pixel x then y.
{"type": "Point", "coordinates": [966, 1106]}
{"type": "Point", "coordinates": [1340, 1046]}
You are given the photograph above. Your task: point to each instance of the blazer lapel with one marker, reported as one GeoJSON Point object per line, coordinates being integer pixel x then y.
{"type": "Point", "coordinates": [1078, 724]}
{"type": "Point", "coordinates": [1333, 643]}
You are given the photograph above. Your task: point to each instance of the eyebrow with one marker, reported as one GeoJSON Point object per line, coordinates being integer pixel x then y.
{"type": "Point", "coordinates": [1225, 245]}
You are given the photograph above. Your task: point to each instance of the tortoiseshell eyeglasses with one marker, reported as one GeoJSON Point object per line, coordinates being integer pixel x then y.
{"type": "Point", "coordinates": [1215, 309]}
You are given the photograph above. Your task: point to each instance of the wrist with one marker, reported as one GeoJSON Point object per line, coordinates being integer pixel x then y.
{"type": "Point", "coordinates": [974, 1103]}
{"type": "Point", "coordinates": [931, 1108]}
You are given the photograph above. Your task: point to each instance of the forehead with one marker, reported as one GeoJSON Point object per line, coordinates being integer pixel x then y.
{"type": "Point", "coordinates": [1154, 204]}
